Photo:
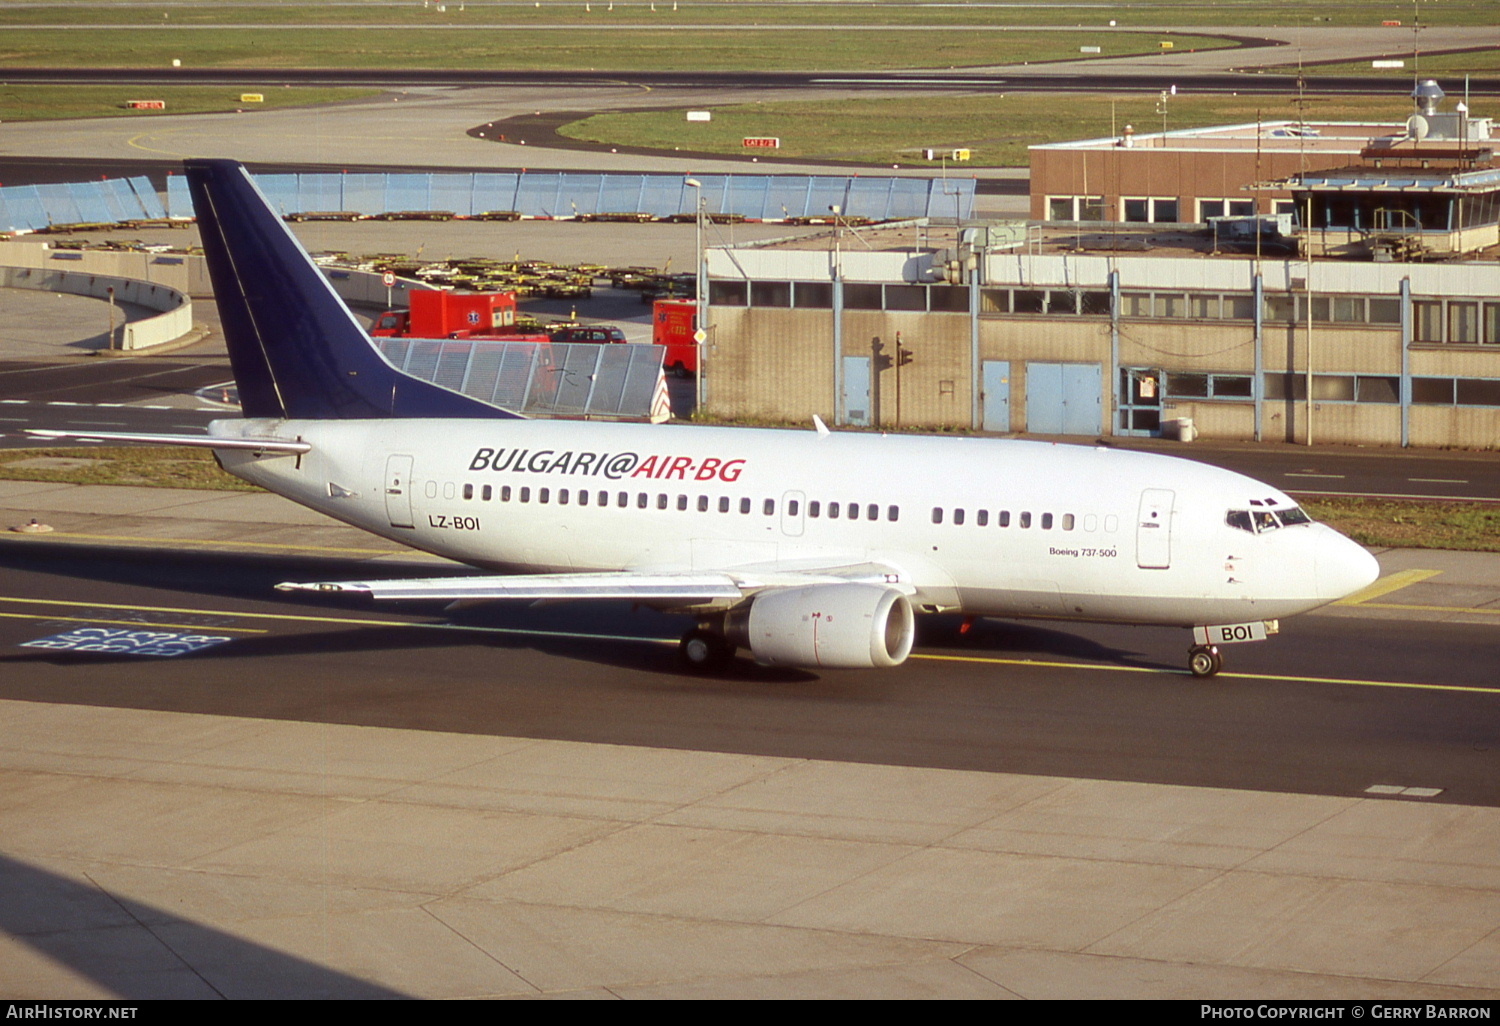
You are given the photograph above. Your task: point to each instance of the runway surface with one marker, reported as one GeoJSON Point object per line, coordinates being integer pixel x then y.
{"type": "Point", "coordinates": [1326, 708]}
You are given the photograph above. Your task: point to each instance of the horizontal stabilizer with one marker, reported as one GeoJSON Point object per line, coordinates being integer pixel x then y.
{"type": "Point", "coordinates": [192, 441]}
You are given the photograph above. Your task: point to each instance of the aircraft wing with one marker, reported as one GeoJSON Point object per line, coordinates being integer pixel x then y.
{"type": "Point", "coordinates": [665, 587]}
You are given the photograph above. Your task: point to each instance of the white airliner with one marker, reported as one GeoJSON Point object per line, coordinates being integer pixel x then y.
{"type": "Point", "coordinates": [808, 548]}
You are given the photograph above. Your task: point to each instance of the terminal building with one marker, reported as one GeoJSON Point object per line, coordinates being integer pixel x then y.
{"type": "Point", "coordinates": [1282, 282]}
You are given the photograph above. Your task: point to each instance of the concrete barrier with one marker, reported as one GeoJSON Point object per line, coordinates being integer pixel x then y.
{"type": "Point", "coordinates": [157, 281]}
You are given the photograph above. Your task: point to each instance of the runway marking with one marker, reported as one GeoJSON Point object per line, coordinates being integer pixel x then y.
{"type": "Point", "coordinates": [148, 643]}
{"type": "Point", "coordinates": [1052, 664]}
{"type": "Point", "coordinates": [301, 618]}
{"type": "Point", "coordinates": [1486, 610]}
{"type": "Point", "coordinates": [1438, 480]}
{"type": "Point", "coordinates": [636, 639]}
{"type": "Point", "coordinates": [1401, 791]}
{"type": "Point", "coordinates": [1386, 585]}
{"type": "Point", "coordinates": [127, 623]}
{"type": "Point", "coordinates": [1291, 473]}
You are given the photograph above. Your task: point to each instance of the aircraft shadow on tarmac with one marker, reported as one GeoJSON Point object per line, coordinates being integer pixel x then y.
{"type": "Point", "coordinates": [89, 929]}
{"type": "Point", "coordinates": [601, 632]}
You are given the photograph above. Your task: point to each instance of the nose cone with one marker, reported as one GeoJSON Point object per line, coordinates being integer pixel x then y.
{"type": "Point", "coordinates": [1343, 567]}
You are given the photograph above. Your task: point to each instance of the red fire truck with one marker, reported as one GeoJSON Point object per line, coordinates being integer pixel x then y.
{"type": "Point", "coordinates": [444, 314]}
{"type": "Point", "coordinates": [673, 323]}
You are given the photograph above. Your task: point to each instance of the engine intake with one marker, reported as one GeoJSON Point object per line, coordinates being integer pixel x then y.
{"type": "Point", "coordinates": [826, 625]}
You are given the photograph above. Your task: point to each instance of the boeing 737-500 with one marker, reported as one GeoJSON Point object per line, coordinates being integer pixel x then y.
{"type": "Point", "coordinates": [811, 548]}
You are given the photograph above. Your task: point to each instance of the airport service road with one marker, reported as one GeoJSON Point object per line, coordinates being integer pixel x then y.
{"type": "Point", "coordinates": [1336, 705]}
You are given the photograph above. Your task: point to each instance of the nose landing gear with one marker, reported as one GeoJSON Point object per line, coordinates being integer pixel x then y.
{"type": "Point", "coordinates": [1205, 660]}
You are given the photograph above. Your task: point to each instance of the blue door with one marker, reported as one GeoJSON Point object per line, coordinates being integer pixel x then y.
{"type": "Point", "coordinates": [1083, 403]}
{"type": "Point", "coordinates": [1064, 398]}
{"type": "Point", "coordinates": [996, 395]}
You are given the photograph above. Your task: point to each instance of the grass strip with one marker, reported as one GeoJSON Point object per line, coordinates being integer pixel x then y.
{"type": "Point", "coordinates": [53, 102]}
{"type": "Point", "coordinates": [996, 129]}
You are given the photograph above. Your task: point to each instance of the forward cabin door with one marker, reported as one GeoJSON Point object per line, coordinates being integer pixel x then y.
{"type": "Point", "coordinates": [1153, 530]}
{"type": "Point", "coordinates": [398, 491]}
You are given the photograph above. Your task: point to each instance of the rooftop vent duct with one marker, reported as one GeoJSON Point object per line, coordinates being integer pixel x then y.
{"type": "Point", "coordinates": [1427, 94]}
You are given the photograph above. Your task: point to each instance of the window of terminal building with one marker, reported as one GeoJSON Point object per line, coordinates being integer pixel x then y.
{"type": "Point", "coordinates": [728, 293]}
{"type": "Point", "coordinates": [948, 298]}
{"type": "Point", "coordinates": [1149, 209]}
{"type": "Point", "coordinates": [1456, 321]}
{"type": "Point", "coordinates": [1280, 308]}
{"type": "Point", "coordinates": [1093, 303]}
{"type": "Point", "coordinates": [906, 297]}
{"type": "Point", "coordinates": [1377, 389]}
{"type": "Point", "coordinates": [1028, 301]}
{"type": "Point", "coordinates": [1456, 391]}
{"type": "Point", "coordinates": [1427, 320]}
{"type": "Point", "coordinates": [1075, 208]}
{"type": "Point", "coordinates": [1225, 208]}
{"type": "Point", "coordinates": [1383, 311]}
{"type": "Point", "coordinates": [1209, 386]}
{"type": "Point", "coordinates": [1463, 322]}
{"type": "Point", "coordinates": [862, 297]}
{"type": "Point", "coordinates": [1239, 307]}
{"type": "Point", "coordinates": [1205, 306]}
{"type": "Point", "coordinates": [770, 293]}
{"type": "Point", "coordinates": [813, 295]}
{"type": "Point", "coordinates": [1168, 304]}
{"type": "Point", "coordinates": [1335, 388]}
{"type": "Point", "coordinates": [1476, 392]}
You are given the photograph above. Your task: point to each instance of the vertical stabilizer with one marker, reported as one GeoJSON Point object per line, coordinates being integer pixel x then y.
{"type": "Point", "coordinates": [296, 349]}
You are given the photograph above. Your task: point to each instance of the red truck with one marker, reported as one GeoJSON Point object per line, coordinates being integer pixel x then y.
{"type": "Point", "coordinates": [673, 323]}
{"type": "Point", "coordinates": [444, 314]}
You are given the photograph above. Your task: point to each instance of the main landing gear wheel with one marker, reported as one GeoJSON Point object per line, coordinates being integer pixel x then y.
{"type": "Point", "coordinates": [704, 650]}
{"type": "Point", "coordinates": [1204, 660]}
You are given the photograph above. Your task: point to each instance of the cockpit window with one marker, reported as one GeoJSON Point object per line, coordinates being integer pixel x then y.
{"type": "Point", "coordinates": [1259, 521]}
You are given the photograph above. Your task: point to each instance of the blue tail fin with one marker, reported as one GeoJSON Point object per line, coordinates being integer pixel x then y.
{"type": "Point", "coordinates": [296, 350]}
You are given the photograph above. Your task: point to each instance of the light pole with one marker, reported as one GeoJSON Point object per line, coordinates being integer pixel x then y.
{"type": "Point", "coordinates": [700, 295]}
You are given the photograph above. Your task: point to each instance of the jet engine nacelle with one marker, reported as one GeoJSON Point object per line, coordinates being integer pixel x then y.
{"type": "Point", "coordinates": [826, 625]}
